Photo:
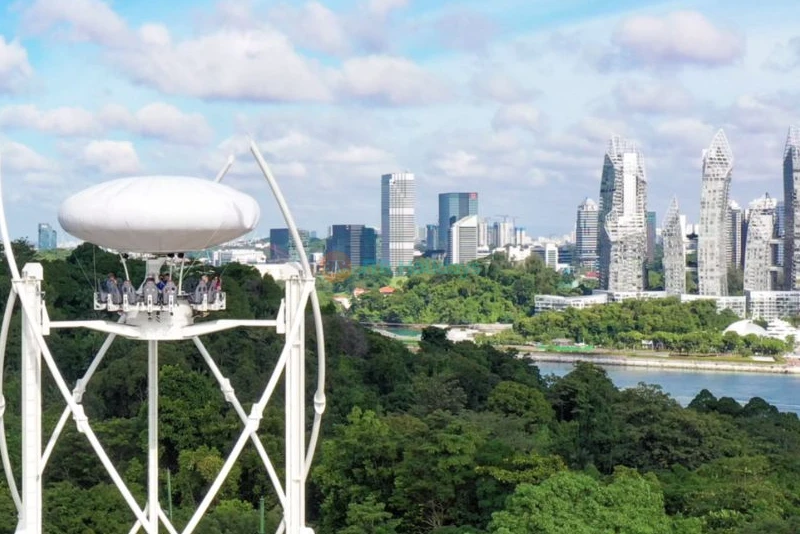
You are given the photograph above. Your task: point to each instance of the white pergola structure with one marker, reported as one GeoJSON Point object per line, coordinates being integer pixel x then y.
{"type": "Point", "coordinates": [136, 322]}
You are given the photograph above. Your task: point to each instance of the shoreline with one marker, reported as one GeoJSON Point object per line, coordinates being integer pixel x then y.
{"type": "Point", "coordinates": [660, 363]}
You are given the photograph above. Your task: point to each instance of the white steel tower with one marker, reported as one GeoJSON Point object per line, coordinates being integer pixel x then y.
{"type": "Point", "coordinates": [398, 229]}
{"type": "Point", "coordinates": [713, 237]}
{"type": "Point", "coordinates": [758, 252]}
{"type": "Point", "coordinates": [791, 205]}
{"type": "Point", "coordinates": [622, 219]}
{"type": "Point", "coordinates": [674, 250]}
{"type": "Point", "coordinates": [125, 215]}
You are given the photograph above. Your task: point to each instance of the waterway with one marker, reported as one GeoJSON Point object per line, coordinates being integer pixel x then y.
{"type": "Point", "coordinates": [780, 390]}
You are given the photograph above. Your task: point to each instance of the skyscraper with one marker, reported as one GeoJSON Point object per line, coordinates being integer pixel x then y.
{"type": "Point", "coordinates": [780, 232]}
{"type": "Point", "coordinates": [712, 244]}
{"type": "Point", "coordinates": [650, 220]}
{"type": "Point", "coordinates": [398, 229]}
{"type": "Point", "coordinates": [760, 231]}
{"type": "Point", "coordinates": [735, 247]}
{"type": "Point", "coordinates": [463, 240]}
{"type": "Point", "coordinates": [586, 234]}
{"type": "Point", "coordinates": [621, 215]}
{"type": "Point", "coordinates": [431, 236]}
{"type": "Point", "coordinates": [48, 237]}
{"type": "Point", "coordinates": [454, 207]}
{"type": "Point", "coordinates": [350, 246]}
{"type": "Point", "coordinates": [674, 250]}
{"type": "Point", "coordinates": [281, 244]}
{"type": "Point", "coordinates": [791, 199]}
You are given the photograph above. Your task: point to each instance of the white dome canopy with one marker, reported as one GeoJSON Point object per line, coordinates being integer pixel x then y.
{"type": "Point", "coordinates": [159, 214]}
{"type": "Point", "coordinates": [745, 327]}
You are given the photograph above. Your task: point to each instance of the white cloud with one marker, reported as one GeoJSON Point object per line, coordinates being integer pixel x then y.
{"type": "Point", "coordinates": [785, 56]}
{"type": "Point", "coordinates": [227, 64]}
{"type": "Point", "coordinates": [17, 157]}
{"type": "Point", "coordinates": [167, 122]}
{"type": "Point", "coordinates": [312, 26]}
{"type": "Point", "coordinates": [65, 121]}
{"type": "Point", "coordinates": [762, 113]}
{"type": "Point", "coordinates": [157, 120]}
{"type": "Point", "coordinates": [679, 37]}
{"type": "Point", "coordinates": [111, 157]}
{"type": "Point", "coordinates": [89, 20]}
{"type": "Point", "coordinates": [463, 29]}
{"type": "Point", "coordinates": [390, 80]}
{"type": "Point", "coordinates": [15, 69]}
{"type": "Point", "coordinates": [358, 155]}
{"type": "Point", "coordinates": [460, 164]}
{"type": "Point", "coordinates": [652, 96]}
{"type": "Point", "coordinates": [382, 8]}
{"type": "Point", "coordinates": [523, 116]}
{"type": "Point", "coordinates": [692, 134]}
{"type": "Point", "coordinates": [501, 87]}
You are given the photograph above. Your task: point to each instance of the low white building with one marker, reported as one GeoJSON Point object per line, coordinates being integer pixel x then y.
{"type": "Point", "coordinates": [543, 303]}
{"type": "Point", "coordinates": [769, 305]}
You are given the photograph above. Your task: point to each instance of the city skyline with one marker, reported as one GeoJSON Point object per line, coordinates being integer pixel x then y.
{"type": "Point", "coordinates": [509, 99]}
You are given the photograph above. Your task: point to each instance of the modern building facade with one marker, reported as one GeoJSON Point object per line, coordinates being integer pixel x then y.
{"type": "Point", "coordinates": [758, 254]}
{"type": "Point", "coordinates": [791, 199]}
{"type": "Point", "coordinates": [281, 244]}
{"type": "Point", "coordinates": [650, 223]}
{"type": "Point", "coordinates": [780, 233]}
{"type": "Point", "coordinates": [586, 235]}
{"type": "Point", "coordinates": [712, 244]}
{"type": "Point", "coordinates": [674, 250]}
{"type": "Point", "coordinates": [350, 246]}
{"type": "Point", "coordinates": [621, 215]}
{"type": "Point", "coordinates": [735, 250]}
{"type": "Point", "coordinates": [454, 207]}
{"type": "Point", "coordinates": [398, 229]}
{"type": "Point", "coordinates": [48, 237]}
{"type": "Point", "coordinates": [463, 240]}
{"type": "Point", "coordinates": [431, 237]}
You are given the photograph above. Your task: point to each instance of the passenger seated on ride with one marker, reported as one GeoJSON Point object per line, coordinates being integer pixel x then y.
{"type": "Point", "coordinates": [150, 291]}
{"type": "Point", "coordinates": [112, 289]}
{"type": "Point", "coordinates": [214, 288]}
{"type": "Point", "coordinates": [200, 290]}
{"type": "Point", "coordinates": [129, 291]}
{"type": "Point", "coordinates": [170, 289]}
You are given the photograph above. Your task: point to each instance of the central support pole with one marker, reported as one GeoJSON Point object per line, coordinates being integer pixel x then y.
{"type": "Point", "coordinates": [152, 435]}
{"type": "Point", "coordinates": [30, 291]}
{"type": "Point", "coordinates": [295, 512]}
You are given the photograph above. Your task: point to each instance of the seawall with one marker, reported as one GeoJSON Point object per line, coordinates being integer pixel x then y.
{"type": "Point", "coordinates": [663, 363]}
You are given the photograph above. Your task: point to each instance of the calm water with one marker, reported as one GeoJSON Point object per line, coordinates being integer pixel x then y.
{"type": "Point", "coordinates": [782, 391]}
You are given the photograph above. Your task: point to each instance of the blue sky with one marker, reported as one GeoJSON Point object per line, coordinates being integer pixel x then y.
{"type": "Point", "coordinates": [515, 99]}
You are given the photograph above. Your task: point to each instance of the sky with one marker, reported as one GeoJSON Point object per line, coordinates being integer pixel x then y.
{"type": "Point", "coordinates": [514, 99]}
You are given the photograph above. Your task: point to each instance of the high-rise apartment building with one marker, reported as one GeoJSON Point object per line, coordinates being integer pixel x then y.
{"type": "Point", "coordinates": [791, 199]}
{"type": "Point", "coordinates": [673, 242]}
{"type": "Point", "coordinates": [463, 240]}
{"type": "Point", "coordinates": [650, 222]}
{"type": "Point", "coordinates": [735, 250]}
{"type": "Point", "coordinates": [281, 244]}
{"type": "Point", "coordinates": [48, 237]}
{"type": "Point", "coordinates": [350, 246]}
{"type": "Point", "coordinates": [398, 229]}
{"type": "Point", "coordinates": [454, 207]}
{"type": "Point", "coordinates": [551, 255]}
{"type": "Point", "coordinates": [483, 233]}
{"type": "Point", "coordinates": [760, 232]}
{"type": "Point", "coordinates": [502, 234]}
{"type": "Point", "coordinates": [586, 235]}
{"type": "Point", "coordinates": [621, 215]}
{"type": "Point", "coordinates": [780, 233]}
{"type": "Point", "coordinates": [712, 244]}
